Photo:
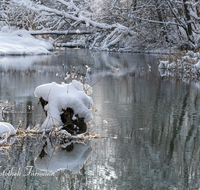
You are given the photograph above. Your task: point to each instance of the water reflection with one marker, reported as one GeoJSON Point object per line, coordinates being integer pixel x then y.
{"type": "Point", "coordinates": [155, 122]}
{"type": "Point", "coordinates": [70, 156]}
{"type": "Point", "coordinates": [23, 165]}
{"type": "Point", "coordinates": [157, 125]}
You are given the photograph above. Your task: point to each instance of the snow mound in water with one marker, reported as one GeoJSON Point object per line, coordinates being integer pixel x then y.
{"type": "Point", "coordinates": [63, 96]}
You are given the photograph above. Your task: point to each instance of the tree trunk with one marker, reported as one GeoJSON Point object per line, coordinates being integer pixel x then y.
{"type": "Point", "coordinates": [187, 15]}
{"type": "Point", "coordinates": [160, 18]}
{"type": "Point", "coordinates": [198, 9]}
{"type": "Point", "coordinates": [134, 5]}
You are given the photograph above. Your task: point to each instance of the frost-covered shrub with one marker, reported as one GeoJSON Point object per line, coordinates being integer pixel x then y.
{"type": "Point", "coordinates": [177, 64]}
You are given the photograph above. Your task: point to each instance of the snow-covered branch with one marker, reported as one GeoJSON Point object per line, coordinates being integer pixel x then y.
{"type": "Point", "coordinates": [69, 5]}
{"type": "Point", "coordinates": [108, 24]}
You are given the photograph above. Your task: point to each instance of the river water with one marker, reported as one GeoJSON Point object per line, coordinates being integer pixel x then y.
{"type": "Point", "coordinates": [150, 141]}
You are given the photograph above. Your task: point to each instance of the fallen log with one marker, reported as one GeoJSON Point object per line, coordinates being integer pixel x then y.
{"type": "Point", "coordinates": [70, 32]}
{"type": "Point", "coordinates": [70, 45]}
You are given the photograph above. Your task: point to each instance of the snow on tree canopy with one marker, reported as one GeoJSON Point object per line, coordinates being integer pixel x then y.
{"type": "Point", "coordinates": [63, 96]}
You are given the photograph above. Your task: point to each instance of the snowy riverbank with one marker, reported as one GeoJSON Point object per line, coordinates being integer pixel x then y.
{"type": "Point", "coordinates": [22, 43]}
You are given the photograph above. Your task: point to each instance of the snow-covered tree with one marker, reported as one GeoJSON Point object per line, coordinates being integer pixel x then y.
{"type": "Point", "coordinates": [154, 21]}
{"type": "Point", "coordinates": [16, 15]}
{"type": "Point", "coordinates": [110, 24]}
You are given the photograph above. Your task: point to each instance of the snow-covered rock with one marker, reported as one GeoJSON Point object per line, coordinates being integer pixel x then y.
{"type": "Point", "coordinates": [11, 128]}
{"type": "Point", "coordinates": [63, 96]}
{"type": "Point", "coordinates": [6, 129]}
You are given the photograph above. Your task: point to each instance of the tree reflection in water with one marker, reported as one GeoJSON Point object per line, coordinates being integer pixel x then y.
{"type": "Point", "coordinates": [155, 122]}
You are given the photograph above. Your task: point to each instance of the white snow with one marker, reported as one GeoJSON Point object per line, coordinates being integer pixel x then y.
{"type": "Point", "coordinates": [105, 122]}
{"type": "Point", "coordinates": [21, 42]}
{"type": "Point", "coordinates": [11, 128]}
{"type": "Point", "coordinates": [6, 129]}
{"type": "Point", "coordinates": [163, 64]}
{"type": "Point", "coordinates": [63, 96]}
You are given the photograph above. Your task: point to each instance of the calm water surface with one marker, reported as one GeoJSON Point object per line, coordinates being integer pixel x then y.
{"type": "Point", "coordinates": [153, 126]}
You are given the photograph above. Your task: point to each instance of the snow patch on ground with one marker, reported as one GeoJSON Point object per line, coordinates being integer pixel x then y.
{"type": "Point", "coordinates": [22, 43]}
